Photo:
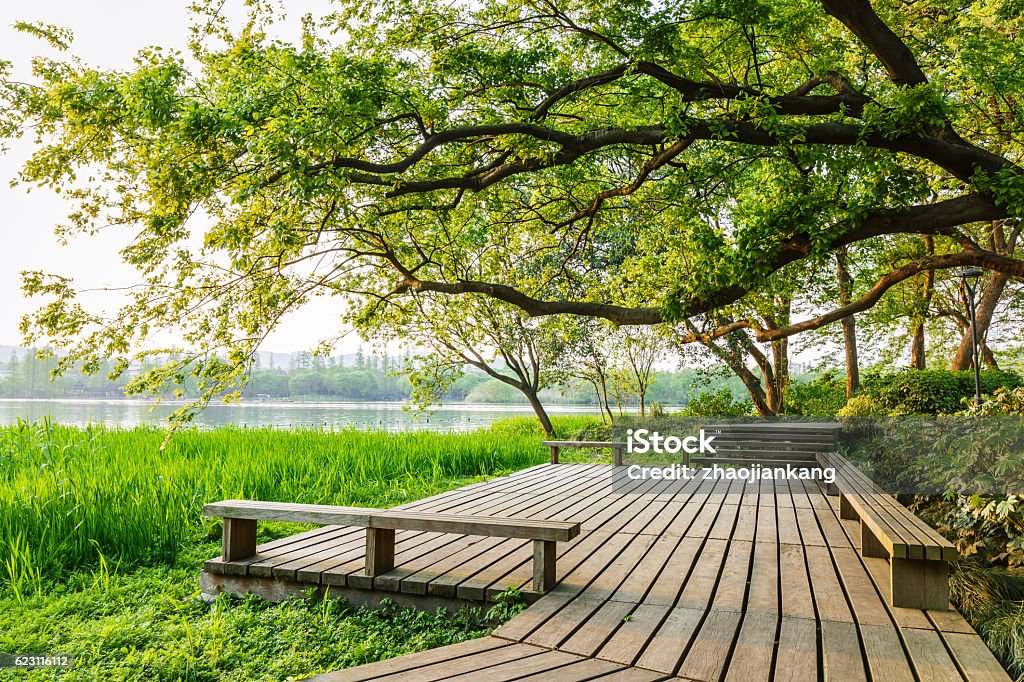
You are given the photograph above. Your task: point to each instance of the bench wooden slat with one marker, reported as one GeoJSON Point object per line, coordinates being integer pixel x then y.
{"type": "Point", "coordinates": [240, 518]}
{"type": "Point", "coordinates": [364, 517]}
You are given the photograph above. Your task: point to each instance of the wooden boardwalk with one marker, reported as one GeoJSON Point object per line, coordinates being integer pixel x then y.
{"type": "Point", "coordinates": [700, 580]}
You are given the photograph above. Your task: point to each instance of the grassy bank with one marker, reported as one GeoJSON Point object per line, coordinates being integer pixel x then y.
{"type": "Point", "coordinates": [68, 496]}
{"type": "Point", "coordinates": [102, 538]}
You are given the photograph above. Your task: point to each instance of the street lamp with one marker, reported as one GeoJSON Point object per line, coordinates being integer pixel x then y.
{"type": "Point", "coordinates": [969, 281]}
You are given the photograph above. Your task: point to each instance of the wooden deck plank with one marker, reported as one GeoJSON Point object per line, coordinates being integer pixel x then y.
{"type": "Point", "coordinates": [829, 598]}
{"type": "Point", "coordinates": [974, 658]}
{"type": "Point", "coordinates": [796, 588]}
{"type": "Point", "coordinates": [674, 575]}
{"type": "Point", "coordinates": [707, 656]}
{"type": "Point", "coordinates": [731, 592]}
{"type": "Point", "coordinates": [699, 586]}
{"type": "Point", "coordinates": [631, 638]}
{"type": "Point", "coordinates": [842, 659]}
{"type": "Point", "coordinates": [883, 652]}
{"type": "Point", "coordinates": [671, 640]}
{"type": "Point", "coordinates": [764, 579]}
{"type": "Point", "coordinates": [929, 656]}
{"type": "Point", "coordinates": [754, 654]}
{"type": "Point", "coordinates": [797, 657]}
{"type": "Point", "coordinates": [516, 654]}
{"type": "Point", "coordinates": [547, 665]}
{"type": "Point", "coordinates": [598, 628]}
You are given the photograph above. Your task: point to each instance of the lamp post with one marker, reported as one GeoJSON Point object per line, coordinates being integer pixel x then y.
{"type": "Point", "coordinates": [966, 278]}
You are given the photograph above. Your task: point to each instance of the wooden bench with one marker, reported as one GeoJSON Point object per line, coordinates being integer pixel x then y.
{"type": "Point", "coordinates": [918, 555]}
{"type": "Point", "coordinates": [617, 448]}
{"type": "Point", "coordinates": [240, 517]}
{"type": "Point", "coordinates": [780, 443]}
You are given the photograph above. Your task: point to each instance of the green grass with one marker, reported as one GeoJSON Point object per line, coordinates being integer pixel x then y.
{"type": "Point", "coordinates": [102, 538]}
{"type": "Point", "coordinates": [69, 496]}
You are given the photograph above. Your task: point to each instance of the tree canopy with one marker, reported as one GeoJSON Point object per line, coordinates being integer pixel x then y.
{"type": "Point", "coordinates": [641, 162]}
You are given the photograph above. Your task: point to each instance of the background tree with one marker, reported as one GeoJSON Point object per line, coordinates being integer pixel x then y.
{"type": "Point", "coordinates": [476, 331]}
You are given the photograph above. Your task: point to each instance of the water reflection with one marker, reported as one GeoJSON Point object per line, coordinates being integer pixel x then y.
{"type": "Point", "coordinates": [383, 416]}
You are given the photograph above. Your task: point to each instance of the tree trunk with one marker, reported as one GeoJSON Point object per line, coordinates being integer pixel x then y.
{"type": "Point", "coordinates": [597, 394]}
{"type": "Point", "coordinates": [538, 409]}
{"type": "Point", "coordinates": [917, 354]}
{"type": "Point", "coordinates": [987, 357]}
{"type": "Point", "coordinates": [986, 308]}
{"type": "Point", "coordinates": [604, 397]}
{"type": "Point", "coordinates": [780, 379]}
{"type": "Point", "coordinates": [849, 326]}
{"type": "Point", "coordinates": [755, 389]}
{"type": "Point", "coordinates": [734, 361]}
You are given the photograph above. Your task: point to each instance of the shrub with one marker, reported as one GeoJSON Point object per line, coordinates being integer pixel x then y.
{"type": "Point", "coordinates": [862, 406]}
{"type": "Point", "coordinates": [718, 403]}
{"type": "Point", "coordinates": [928, 391]}
{"type": "Point", "coordinates": [822, 397]}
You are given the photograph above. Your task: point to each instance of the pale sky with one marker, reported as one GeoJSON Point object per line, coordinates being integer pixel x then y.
{"type": "Point", "coordinates": [108, 33]}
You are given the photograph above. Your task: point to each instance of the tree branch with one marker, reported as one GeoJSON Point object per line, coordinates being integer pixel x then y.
{"type": "Point", "coordinates": [860, 18]}
{"type": "Point", "coordinates": [928, 219]}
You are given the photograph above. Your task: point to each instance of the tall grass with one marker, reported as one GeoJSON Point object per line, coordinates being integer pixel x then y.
{"type": "Point", "coordinates": [70, 496]}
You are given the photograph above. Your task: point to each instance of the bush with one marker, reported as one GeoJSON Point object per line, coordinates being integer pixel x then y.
{"type": "Point", "coordinates": [862, 406]}
{"type": "Point", "coordinates": [822, 397]}
{"type": "Point", "coordinates": [929, 391]}
{"type": "Point", "coordinates": [718, 403]}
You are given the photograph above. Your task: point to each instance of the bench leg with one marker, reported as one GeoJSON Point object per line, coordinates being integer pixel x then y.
{"type": "Point", "coordinates": [239, 538]}
{"type": "Point", "coordinates": [617, 457]}
{"type": "Point", "coordinates": [920, 584]}
{"type": "Point", "coordinates": [869, 544]}
{"type": "Point", "coordinates": [846, 510]}
{"type": "Point", "coordinates": [543, 565]}
{"type": "Point", "coordinates": [380, 550]}
{"type": "Point", "coordinates": [554, 454]}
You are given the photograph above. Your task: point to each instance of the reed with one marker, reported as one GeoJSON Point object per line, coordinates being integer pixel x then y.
{"type": "Point", "coordinates": [70, 496]}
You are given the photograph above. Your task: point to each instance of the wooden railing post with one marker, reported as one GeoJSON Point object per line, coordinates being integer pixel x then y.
{"type": "Point", "coordinates": [239, 538]}
{"type": "Point", "coordinates": [380, 550]}
{"type": "Point", "coordinates": [544, 575]}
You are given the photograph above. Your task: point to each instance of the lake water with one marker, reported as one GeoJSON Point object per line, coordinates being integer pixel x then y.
{"type": "Point", "coordinates": [384, 416]}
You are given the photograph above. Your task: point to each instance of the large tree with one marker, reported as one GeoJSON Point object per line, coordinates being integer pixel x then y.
{"type": "Point", "coordinates": [642, 162]}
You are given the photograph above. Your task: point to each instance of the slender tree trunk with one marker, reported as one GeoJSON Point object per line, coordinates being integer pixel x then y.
{"type": "Point", "coordinates": [849, 325]}
{"type": "Point", "coordinates": [987, 357]}
{"type": "Point", "coordinates": [917, 346]}
{"type": "Point", "coordinates": [538, 409]}
{"type": "Point", "coordinates": [604, 397]}
{"type": "Point", "coordinates": [597, 394]}
{"type": "Point", "coordinates": [986, 309]}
